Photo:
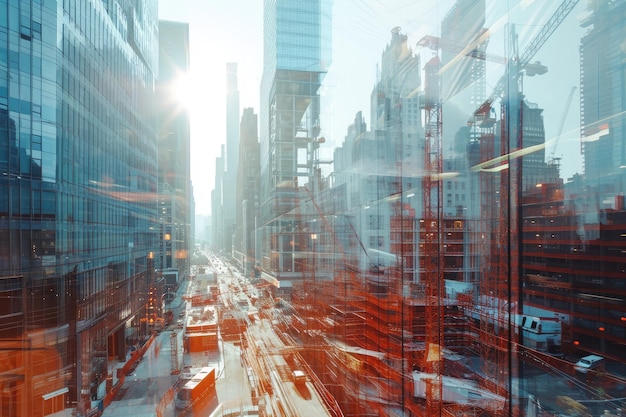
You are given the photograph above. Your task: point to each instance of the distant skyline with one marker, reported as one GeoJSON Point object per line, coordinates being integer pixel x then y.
{"type": "Point", "coordinates": [221, 33]}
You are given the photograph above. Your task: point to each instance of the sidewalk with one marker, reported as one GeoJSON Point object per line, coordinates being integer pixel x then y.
{"type": "Point", "coordinates": [148, 391]}
{"type": "Point", "coordinates": [151, 384]}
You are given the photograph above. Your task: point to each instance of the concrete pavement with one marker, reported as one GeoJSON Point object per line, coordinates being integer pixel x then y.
{"type": "Point", "coordinates": [148, 384]}
{"type": "Point", "coordinates": [149, 390]}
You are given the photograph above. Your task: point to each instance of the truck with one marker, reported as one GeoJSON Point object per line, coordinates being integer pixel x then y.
{"type": "Point", "coordinates": [298, 377]}
{"type": "Point", "coordinates": [200, 385]}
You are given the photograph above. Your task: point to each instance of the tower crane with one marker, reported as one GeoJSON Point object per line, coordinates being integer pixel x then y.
{"type": "Point", "coordinates": [501, 280]}
{"type": "Point", "coordinates": [568, 102]}
{"type": "Point", "coordinates": [533, 47]}
{"type": "Point", "coordinates": [499, 277]}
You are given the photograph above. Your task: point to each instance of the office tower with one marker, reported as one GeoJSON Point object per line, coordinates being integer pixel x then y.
{"type": "Point", "coordinates": [602, 82]}
{"type": "Point", "coordinates": [231, 158]}
{"type": "Point", "coordinates": [78, 159]}
{"type": "Point", "coordinates": [175, 201]}
{"type": "Point", "coordinates": [296, 58]}
{"type": "Point", "coordinates": [217, 203]}
{"type": "Point", "coordinates": [232, 119]}
{"type": "Point", "coordinates": [247, 191]}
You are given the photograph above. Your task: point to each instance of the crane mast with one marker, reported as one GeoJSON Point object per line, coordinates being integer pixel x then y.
{"type": "Point", "coordinates": [431, 229]}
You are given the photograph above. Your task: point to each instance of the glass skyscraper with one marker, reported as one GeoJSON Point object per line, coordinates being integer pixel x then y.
{"type": "Point", "coordinates": [77, 195]}
{"type": "Point", "coordinates": [296, 56]}
{"type": "Point", "coordinates": [175, 211]}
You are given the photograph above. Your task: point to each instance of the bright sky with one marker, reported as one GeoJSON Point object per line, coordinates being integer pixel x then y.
{"type": "Point", "coordinates": [223, 31]}
{"type": "Point", "coordinates": [220, 32]}
{"type": "Point", "coordinates": [232, 31]}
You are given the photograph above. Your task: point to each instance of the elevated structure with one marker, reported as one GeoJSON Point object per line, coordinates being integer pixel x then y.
{"type": "Point", "coordinates": [296, 57]}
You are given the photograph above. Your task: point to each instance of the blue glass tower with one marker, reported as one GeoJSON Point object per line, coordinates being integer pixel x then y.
{"type": "Point", "coordinates": [78, 183]}
{"type": "Point", "coordinates": [297, 54]}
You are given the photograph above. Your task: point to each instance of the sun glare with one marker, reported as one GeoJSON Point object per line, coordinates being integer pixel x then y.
{"type": "Point", "coordinates": [182, 90]}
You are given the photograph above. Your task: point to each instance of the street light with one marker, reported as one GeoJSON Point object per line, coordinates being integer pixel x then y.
{"type": "Point", "coordinates": [313, 289]}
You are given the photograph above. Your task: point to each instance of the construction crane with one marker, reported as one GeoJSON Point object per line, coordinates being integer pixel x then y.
{"type": "Point", "coordinates": [471, 50]}
{"type": "Point", "coordinates": [500, 284]}
{"type": "Point", "coordinates": [521, 62]}
{"type": "Point", "coordinates": [431, 228]}
{"type": "Point", "coordinates": [568, 102]}
{"type": "Point", "coordinates": [499, 277]}
{"type": "Point", "coordinates": [533, 47]}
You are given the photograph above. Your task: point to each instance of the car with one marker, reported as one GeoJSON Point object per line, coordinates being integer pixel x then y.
{"type": "Point", "coordinates": [180, 323]}
{"type": "Point", "coordinates": [589, 362]}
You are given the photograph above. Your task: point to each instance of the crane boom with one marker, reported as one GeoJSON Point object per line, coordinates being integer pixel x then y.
{"type": "Point", "coordinates": [562, 123]}
{"type": "Point", "coordinates": [536, 44]}
{"type": "Point", "coordinates": [548, 29]}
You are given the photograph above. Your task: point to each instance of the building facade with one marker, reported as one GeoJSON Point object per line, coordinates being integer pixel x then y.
{"type": "Point", "coordinates": [78, 151]}
{"type": "Point", "coordinates": [175, 192]}
{"type": "Point", "coordinates": [296, 56]}
{"type": "Point", "coordinates": [247, 192]}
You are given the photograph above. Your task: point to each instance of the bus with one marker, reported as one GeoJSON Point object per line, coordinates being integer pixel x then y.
{"type": "Point", "coordinates": [199, 386]}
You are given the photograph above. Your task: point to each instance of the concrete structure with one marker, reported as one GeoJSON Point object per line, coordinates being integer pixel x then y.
{"type": "Point", "coordinates": [296, 56]}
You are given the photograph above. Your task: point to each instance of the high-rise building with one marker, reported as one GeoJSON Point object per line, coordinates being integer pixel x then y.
{"type": "Point", "coordinates": [175, 201]}
{"type": "Point", "coordinates": [231, 160]}
{"type": "Point", "coordinates": [397, 148]}
{"type": "Point", "coordinates": [247, 191]}
{"type": "Point", "coordinates": [602, 82]}
{"type": "Point", "coordinates": [217, 204]}
{"type": "Point", "coordinates": [232, 119]}
{"type": "Point", "coordinates": [296, 57]}
{"type": "Point", "coordinates": [78, 156]}
{"type": "Point", "coordinates": [463, 25]}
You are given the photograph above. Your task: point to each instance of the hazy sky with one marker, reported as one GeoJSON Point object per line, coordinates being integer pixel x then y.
{"type": "Point", "coordinates": [223, 31]}
{"type": "Point", "coordinates": [232, 31]}
{"type": "Point", "coordinates": [220, 32]}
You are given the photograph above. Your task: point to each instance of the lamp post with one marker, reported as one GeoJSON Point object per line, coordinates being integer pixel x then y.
{"type": "Point", "coordinates": [313, 287]}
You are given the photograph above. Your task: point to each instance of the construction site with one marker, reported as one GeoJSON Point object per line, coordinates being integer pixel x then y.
{"type": "Point", "coordinates": [466, 311]}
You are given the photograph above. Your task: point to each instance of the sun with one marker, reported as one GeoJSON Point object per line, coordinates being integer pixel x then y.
{"type": "Point", "coordinates": [182, 90]}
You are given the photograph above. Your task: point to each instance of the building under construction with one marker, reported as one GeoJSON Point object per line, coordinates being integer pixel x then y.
{"type": "Point", "coordinates": [432, 282]}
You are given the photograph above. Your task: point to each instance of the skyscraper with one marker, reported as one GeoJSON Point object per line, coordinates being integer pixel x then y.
{"type": "Point", "coordinates": [175, 207]}
{"type": "Point", "coordinates": [296, 56]}
{"type": "Point", "coordinates": [232, 119]}
{"type": "Point", "coordinates": [247, 190]}
{"type": "Point", "coordinates": [78, 158]}
{"type": "Point", "coordinates": [602, 85]}
{"type": "Point", "coordinates": [217, 203]}
{"type": "Point", "coordinates": [231, 158]}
